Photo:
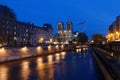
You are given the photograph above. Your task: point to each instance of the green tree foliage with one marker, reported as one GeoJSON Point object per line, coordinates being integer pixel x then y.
{"type": "Point", "coordinates": [98, 38]}
{"type": "Point", "coordinates": [82, 38]}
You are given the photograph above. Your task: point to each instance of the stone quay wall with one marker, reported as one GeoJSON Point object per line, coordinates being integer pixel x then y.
{"type": "Point", "coordinates": [10, 54]}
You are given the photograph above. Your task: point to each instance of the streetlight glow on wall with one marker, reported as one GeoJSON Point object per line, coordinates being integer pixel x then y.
{"type": "Point", "coordinates": [24, 50]}
{"type": "Point", "coordinates": [41, 40]}
{"type": "Point", "coordinates": [57, 47]}
{"type": "Point", "coordinates": [62, 47]}
{"type": "Point", "coordinates": [49, 48]}
{"type": "Point", "coordinates": [3, 52]}
{"type": "Point", "coordinates": [39, 49]}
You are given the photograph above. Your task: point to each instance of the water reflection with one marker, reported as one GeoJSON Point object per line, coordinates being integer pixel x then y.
{"type": "Point", "coordinates": [50, 59]}
{"type": "Point", "coordinates": [57, 57]}
{"type": "Point", "coordinates": [63, 55]}
{"type": "Point", "coordinates": [45, 68]}
{"type": "Point", "coordinates": [25, 70]}
{"type": "Point", "coordinates": [78, 50]}
{"type": "Point", "coordinates": [40, 68]}
{"type": "Point", "coordinates": [3, 73]}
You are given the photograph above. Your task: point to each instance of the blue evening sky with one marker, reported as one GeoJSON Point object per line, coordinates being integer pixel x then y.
{"type": "Point", "coordinates": [98, 14]}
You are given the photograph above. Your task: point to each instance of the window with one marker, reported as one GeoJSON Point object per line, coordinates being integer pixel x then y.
{"type": "Point", "coordinates": [14, 33]}
{"type": "Point", "coordinates": [26, 30]}
{"type": "Point", "coordinates": [15, 38]}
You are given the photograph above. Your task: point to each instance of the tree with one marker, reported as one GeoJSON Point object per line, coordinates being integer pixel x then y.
{"type": "Point", "coordinates": [82, 38]}
{"type": "Point", "coordinates": [98, 38]}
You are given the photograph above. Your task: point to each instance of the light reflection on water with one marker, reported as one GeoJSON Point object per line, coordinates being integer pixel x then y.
{"type": "Point", "coordinates": [25, 70]}
{"type": "Point", "coordinates": [59, 66]}
{"type": "Point", "coordinates": [3, 72]}
{"type": "Point", "coordinates": [50, 59]}
{"type": "Point", "coordinates": [57, 57]}
{"type": "Point", "coordinates": [45, 70]}
{"type": "Point", "coordinates": [63, 55]}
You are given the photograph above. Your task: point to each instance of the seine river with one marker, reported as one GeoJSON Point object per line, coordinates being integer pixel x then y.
{"type": "Point", "coordinates": [59, 66]}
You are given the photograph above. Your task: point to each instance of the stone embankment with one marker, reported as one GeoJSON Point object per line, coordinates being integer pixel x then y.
{"type": "Point", "coordinates": [10, 54]}
{"type": "Point", "coordinates": [107, 63]}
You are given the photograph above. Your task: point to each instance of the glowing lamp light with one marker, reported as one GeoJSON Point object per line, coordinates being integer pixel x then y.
{"type": "Point", "coordinates": [63, 55]}
{"type": "Point", "coordinates": [84, 49]}
{"type": "Point", "coordinates": [39, 49]}
{"type": "Point", "coordinates": [56, 46]}
{"type": "Point", "coordinates": [111, 54]}
{"type": "Point", "coordinates": [117, 33]}
{"type": "Point", "coordinates": [1, 45]}
{"type": "Point", "coordinates": [2, 50]}
{"type": "Point", "coordinates": [49, 47]}
{"type": "Point", "coordinates": [62, 46]}
{"type": "Point", "coordinates": [39, 60]}
{"type": "Point", "coordinates": [111, 34]}
{"type": "Point", "coordinates": [57, 54]}
{"type": "Point", "coordinates": [50, 58]}
{"type": "Point", "coordinates": [51, 40]}
{"type": "Point", "coordinates": [24, 48]}
{"type": "Point", "coordinates": [78, 50]}
{"type": "Point", "coordinates": [41, 39]}
{"type": "Point", "coordinates": [57, 57]}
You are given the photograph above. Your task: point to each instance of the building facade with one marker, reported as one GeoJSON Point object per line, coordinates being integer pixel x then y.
{"type": "Point", "coordinates": [17, 33]}
{"type": "Point", "coordinates": [64, 34]}
{"type": "Point", "coordinates": [114, 30]}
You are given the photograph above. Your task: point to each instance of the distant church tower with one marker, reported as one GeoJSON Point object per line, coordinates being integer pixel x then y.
{"type": "Point", "coordinates": [69, 30]}
{"type": "Point", "coordinates": [60, 27]}
{"type": "Point", "coordinates": [64, 34]}
{"type": "Point", "coordinates": [60, 30]}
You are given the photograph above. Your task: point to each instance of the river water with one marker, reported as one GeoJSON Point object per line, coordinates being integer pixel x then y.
{"type": "Point", "coordinates": [59, 66]}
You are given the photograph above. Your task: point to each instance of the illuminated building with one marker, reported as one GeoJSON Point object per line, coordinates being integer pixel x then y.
{"type": "Point", "coordinates": [114, 30]}
{"type": "Point", "coordinates": [17, 33]}
{"type": "Point", "coordinates": [64, 35]}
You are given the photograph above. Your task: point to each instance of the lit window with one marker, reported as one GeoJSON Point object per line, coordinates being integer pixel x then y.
{"type": "Point", "coordinates": [15, 38]}
{"type": "Point", "coordinates": [26, 30]}
{"type": "Point", "coordinates": [26, 34]}
{"type": "Point", "coordinates": [7, 32]}
{"type": "Point", "coordinates": [14, 27]}
{"type": "Point", "coordinates": [14, 33]}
